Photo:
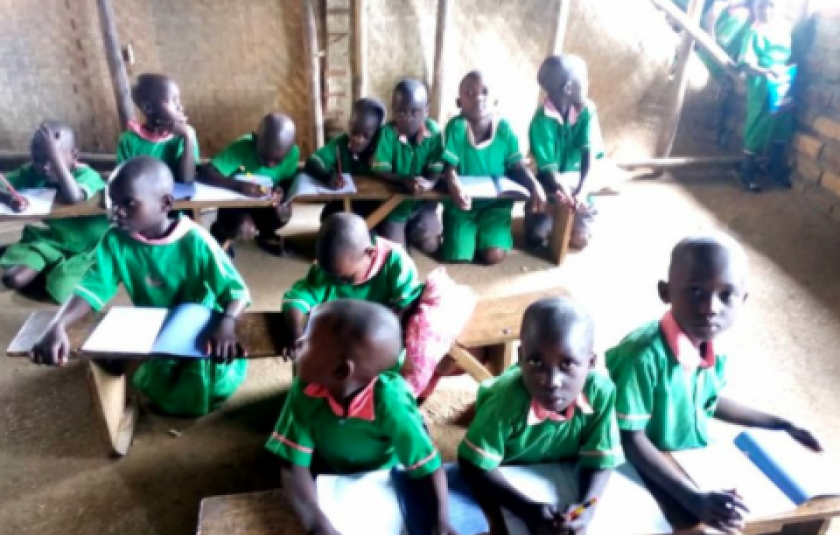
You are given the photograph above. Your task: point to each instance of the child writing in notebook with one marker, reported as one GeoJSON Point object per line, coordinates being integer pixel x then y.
{"type": "Point", "coordinates": [552, 406]}
{"type": "Point", "coordinates": [565, 142]}
{"type": "Point", "coordinates": [479, 144]}
{"type": "Point", "coordinates": [408, 154]}
{"type": "Point", "coordinates": [161, 262]}
{"type": "Point", "coordinates": [669, 376]}
{"type": "Point", "coordinates": [269, 152]}
{"type": "Point", "coordinates": [348, 409]}
{"type": "Point", "coordinates": [64, 250]}
{"type": "Point", "coordinates": [165, 133]}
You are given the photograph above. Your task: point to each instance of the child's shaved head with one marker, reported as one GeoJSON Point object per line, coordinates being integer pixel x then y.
{"type": "Point", "coordinates": [145, 174]}
{"type": "Point", "coordinates": [150, 87]}
{"type": "Point", "coordinates": [275, 137]}
{"type": "Point", "coordinates": [369, 107]}
{"type": "Point", "coordinates": [343, 238]}
{"type": "Point", "coordinates": [141, 196]}
{"type": "Point", "coordinates": [703, 248]}
{"type": "Point", "coordinates": [412, 91]}
{"type": "Point", "coordinates": [557, 318]}
{"type": "Point", "coordinates": [410, 104]}
{"type": "Point", "coordinates": [556, 71]}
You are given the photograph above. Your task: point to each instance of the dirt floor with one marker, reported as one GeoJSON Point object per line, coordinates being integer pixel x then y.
{"type": "Point", "coordinates": [55, 476]}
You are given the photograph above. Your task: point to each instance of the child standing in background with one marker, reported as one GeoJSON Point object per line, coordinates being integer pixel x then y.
{"type": "Point", "coordinates": [165, 134]}
{"type": "Point", "coordinates": [565, 141]}
{"type": "Point", "coordinates": [269, 152]}
{"type": "Point", "coordinates": [409, 154]}
{"type": "Point", "coordinates": [479, 144]}
{"type": "Point", "coordinates": [765, 57]}
{"type": "Point", "coordinates": [64, 250]}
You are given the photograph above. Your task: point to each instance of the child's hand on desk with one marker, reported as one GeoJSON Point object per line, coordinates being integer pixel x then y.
{"type": "Point", "coordinates": [462, 198]}
{"type": "Point", "coordinates": [336, 181]}
{"type": "Point", "coordinates": [544, 519]}
{"type": "Point", "coordinates": [720, 510]}
{"type": "Point", "coordinates": [277, 196]}
{"type": "Point", "coordinates": [579, 524]}
{"type": "Point", "coordinates": [804, 437]}
{"type": "Point", "coordinates": [252, 189]}
{"type": "Point", "coordinates": [419, 185]}
{"type": "Point", "coordinates": [18, 203]}
{"type": "Point", "coordinates": [53, 348]}
{"type": "Point", "coordinates": [537, 202]}
{"type": "Point", "coordinates": [223, 345]}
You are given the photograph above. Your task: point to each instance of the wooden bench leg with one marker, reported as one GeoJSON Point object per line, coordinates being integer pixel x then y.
{"type": "Point", "coordinates": [348, 204]}
{"type": "Point", "coordinates": [561, 233]}
{"type": "Point", "coordinates": [118, 416]}
{"type": "Point", "coordinates": [469, 363]}
{"type": "Point", "coordinates": [500, 357]}
{"type": "Point", "coordinates": [196, 215]}
{"type": "Point", "coordinates": [384, 209]}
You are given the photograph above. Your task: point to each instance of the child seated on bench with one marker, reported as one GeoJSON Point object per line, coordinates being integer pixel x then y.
{"type": "Point", "coordinates": [479, 144]}
{"type": "Point", "coordinates": [552, 406]}
{"type": "Point", "coordinates": [161, 262]}
{"type": "Point", "coordinates": [408, 154]}
{"type": "Point", "coordinates": [347, 412]}
{"type": "Point", "coordinates": [565, 142]}
{"type": "Point", "coordinates": [165, 134]}
{"type": "Point", "coordinates": [669, 377]}
{"type": "Point", "coordinates": [64, 250]}
{"type": "Point", "coordinates": [269, 152]}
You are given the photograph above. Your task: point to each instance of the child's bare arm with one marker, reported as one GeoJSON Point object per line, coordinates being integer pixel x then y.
{"type": "Point", "coordinates": [392, 178]}
{"type": "Point", "coordinates": [68, 188]}
{"type": "Point", "coordinates": [587, 158]}
{"type": "Point", "coordinates": [54, 347]}
{"type": "Point", "coordinates": [521, 174]}
{"type": "Point", "coordinates": [732, 412]}
{"type": "Point", "coordinates": [592, 485]}
{"type": "Point", "coordinates": [186, 169]}
{"type": "Point", "coordinates": [435, 487]}
{"type": "Point", "coordinates": [296, 322]}
{"type": "Point", "coordinates": [299, 489]}
{"type": "Point", "coordinates": [317, 171]}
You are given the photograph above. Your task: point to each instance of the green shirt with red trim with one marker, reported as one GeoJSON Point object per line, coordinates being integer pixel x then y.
{"type": "Point", "coordinates": [327, 157]}
{"type": "Point", "coordinates": [396, 154]}
{"type": "Point", "coordinates": [187, 266]}
{"type": "Point", "coordinates": [511, 428]}
{"type": "Point", "coordinates": [381, 427]}
{"type": "Point", "coordinates": [488, 158]}
{"type": "Point", "coordinates": [135, 141]}
{"type": "Point", "coordinates": [666, 389]}
{"type": "Point", "coordinates": [558, 144]}
{"type": "Point", "coordinates": [241, 157]}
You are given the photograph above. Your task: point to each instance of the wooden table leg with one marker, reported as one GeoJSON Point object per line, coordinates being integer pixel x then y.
{"type": "Point", "coordinates": [348, 204]}
{"type": "Point", "coordinates": [118, 416]}
{"type": "Point", "coordinates": [812, 527]}
{"type": "Point", "coordinates": [561, 233]}
{"type": "Point", "coordinates": [196, 215]}
{"type": "Point", "coordinates": [500, 357]}
{"type": "Point", "coordinates": [384, 209]}
{"type": "Point", "coordinates": [469, 363]}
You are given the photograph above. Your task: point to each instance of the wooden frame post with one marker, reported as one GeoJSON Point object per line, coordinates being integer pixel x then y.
{"type": "Point", "coordinates": [316, 106]}
{"type": "Point", "coordinates": [558, 36]}
{"type": "Point", "coordinates": [443, 9]}
{"type": "Point", "coordinates": [360, 45]}
{"type": "Point", "coordinates": [116, 65]}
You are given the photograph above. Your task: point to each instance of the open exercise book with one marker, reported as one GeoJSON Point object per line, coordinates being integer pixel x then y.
{"type": "Point", "coordinates": [40, 202]}
{"type": "Point", "coordinates": [492, 187]}
{"type": "Point", "coordinates": [306, 185]}
{"type": "Point", "coordinates": [205, 192]}
{"type": "Point", "coordinates": [768, 469]}
{"type": "Point", "coordinates": [385, 503]}
{"type": "Point", "coordinates": [180, 331]}
{"type": "Point", "coordinates": [625, 508]}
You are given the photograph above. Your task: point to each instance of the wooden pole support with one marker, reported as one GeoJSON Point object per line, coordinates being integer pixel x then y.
{"type": "Point", "coordinates": [316, 107]}
{"type": "Point", "coordinates": [116, 65]}
{"type": "Point", "coordinates": [360, 57]}
{"type": "Point", "coordinates": [558, 37]}
{"type": "Point", "coordinates": [689, 23]}
{"type": "Point", "coordinates": [443, 9]}
{"type": "Point", "coordinates": [668, 134]}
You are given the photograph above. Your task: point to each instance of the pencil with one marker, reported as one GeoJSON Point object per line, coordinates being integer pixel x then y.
{"type": "Point", "coordinates": [581, 508]}
{"type": "Point", "coordinates": [12, 191]}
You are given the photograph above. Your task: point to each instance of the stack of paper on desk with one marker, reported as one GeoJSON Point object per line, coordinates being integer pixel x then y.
{"type": "Point", "coordinates": [40, 202]}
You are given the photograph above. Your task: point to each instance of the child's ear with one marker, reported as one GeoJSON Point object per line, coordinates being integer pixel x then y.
{"type": "Point", "coordinates": [166, 203]}
{"type": "Point", "coordinates": [74, 152]}
{"type": "Point", "coordinates": [593, 360]}
{"type": "Point", "coordinates": [344, 370]}
{"type": "Point", "coordinates": [664, 292]}
{"type": "Point", "coordinates": [458, 103]}
{"type": "Point", "coordinates": [567, 88]}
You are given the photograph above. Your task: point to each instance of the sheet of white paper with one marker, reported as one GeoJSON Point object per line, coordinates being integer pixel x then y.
{"type": "Point", "coordinates": [306, 185]}
{"type": "Point", "coordinates": [40, 202]}
{"type": "Point", "coordinates": [362, 504]}
{"type": "Point", "coordinates": [722, 466]}
{"type": "Point", "coordinates": [126, 330]}
{"type": "Point", "coordinates": [204, 192]}
{"type": "Point", "coordinates": [625, 508]}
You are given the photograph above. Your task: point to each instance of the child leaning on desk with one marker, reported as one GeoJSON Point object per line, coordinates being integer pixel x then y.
{"type": "Point", "coordinates": [668, 375]}
{"type": "Point", "coordinates": [551, 406]}
{"type": "Point", "coordinates": [64, 250]}
{"type": "Point", "coordinates": [162, 262]}
{"type": "Point", "coordinates": [349, 412]}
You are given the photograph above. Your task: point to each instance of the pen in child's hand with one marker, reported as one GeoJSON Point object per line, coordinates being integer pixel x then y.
{"type": "Point", "coordinates": [575, 513]}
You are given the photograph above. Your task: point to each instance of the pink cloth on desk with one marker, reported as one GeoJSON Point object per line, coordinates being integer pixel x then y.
{"type": "Point", "coordinates": [444, 309]}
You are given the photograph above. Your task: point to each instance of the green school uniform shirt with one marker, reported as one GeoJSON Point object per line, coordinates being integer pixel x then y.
{"type": "Point", "coordinates": [328, 156]}
{"type": "Point", "coordinates": [489, 158]}
{"type": "Point", "coordinates": [508, 430]}
{"type": "Point", "coordinates": [396, 154]}
{"type": "Point", "coordinates": [241, 157]}
{"type": "Point", "coordinates": [135, 142]}
{"type": "Point", "coordinates": [657, 393]}
{"type": "Point", "coordinates": [557, 145]}
{"type": "Point", "coordinates": [381, 428]}
{"type": "Point", "coordinates": [396, 284]}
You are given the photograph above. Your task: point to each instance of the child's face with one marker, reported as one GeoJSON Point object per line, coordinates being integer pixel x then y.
{"type": "Point", "coordinates": [555, 372]}
{"type": "Point", "coordinates": [765, 10]}
{"type": "Point", "coordinates": [352, 267]}
{"type": "Point", "coordinates": [166, 107]}
{"type": "Point", "coordinates": [362, 129]}
{"type": "Point", "coordinates": [134, 208]}
{"type": "Point", "coordinates": [41, 158]}
{"type": "Point", "coordinates": [270, 152]}
{"type": "Point", "coordinates": [409, 112]}
{"type": "Point", "coordinates": [472, 98]}
{"type": "Point", "coordinates": [706, 293]}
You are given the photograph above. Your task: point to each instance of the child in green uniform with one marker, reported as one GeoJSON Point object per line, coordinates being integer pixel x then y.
{"type": "Point", "coordinates": [550, 407]}
{"type": "Point", "coordinates": [408, 154]}
{"type": "Point", "coordinates": [165, 134]}
{"type": "Point", "coordinates": [270, 152]}
{"type": "Point", "coordinates": [349, 410]}
{"type": "Point", "coordinates": [352, 266]}
{"type": "Point", "coordinates": [350, 153]}
{"type": "Point", "coordinates": [668, 375]}
{"type": "Point", "coordinates": [64, 250]}
{"type": "Point", "coordinates": [478, 144]}
{"type": "Point", "coordinates": [565, 141]}
{"type": "Point", "coordinates": [765, 57]}
{"type": "Point", "coordinates": [161, 263]}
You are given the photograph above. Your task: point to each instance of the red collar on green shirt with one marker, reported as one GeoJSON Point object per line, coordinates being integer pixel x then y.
{"type": "Point", "coordinates": [554, 113]}
{"type": "Point", "coordinates": [537, 414]}
{"type": "Point", "coordinates": [362, 406]}
{"type": "Point", "coordinates": [143, 132]}
{"type": "Point", "coordinates": [684, 349]}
